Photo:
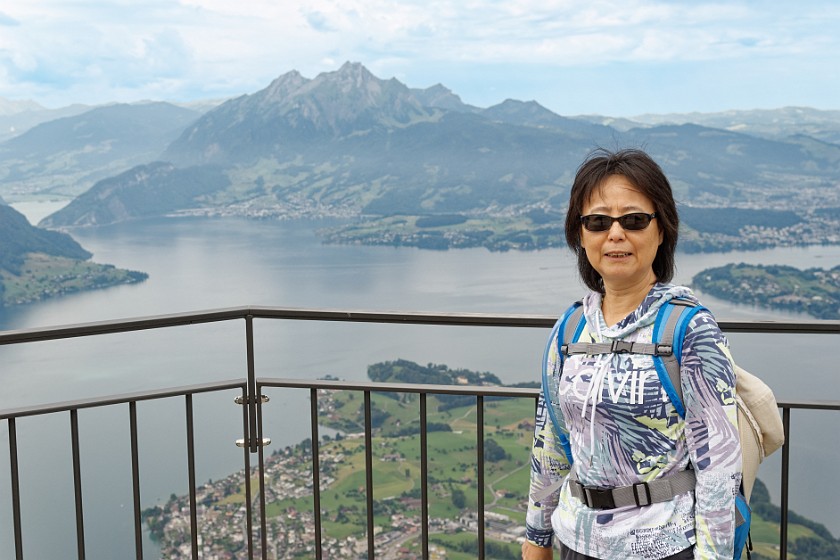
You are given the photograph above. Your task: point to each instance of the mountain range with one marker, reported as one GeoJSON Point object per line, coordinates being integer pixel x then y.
{"type": "Point", "coordinates": [349, 144]}
{"type": "Point", "coordinates": [67, 155]}
{"type": "Point", "coordinates": [770, 123]}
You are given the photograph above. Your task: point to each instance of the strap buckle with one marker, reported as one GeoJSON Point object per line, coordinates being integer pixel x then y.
{"type": "Point", "coordinates": [637, 497]}
{"type": "Point", "coordinates": [621, 347]}
{"type": "Point", "coordinates": [596, 498]}
{"type": "Point", "coordinates": [664, 350]}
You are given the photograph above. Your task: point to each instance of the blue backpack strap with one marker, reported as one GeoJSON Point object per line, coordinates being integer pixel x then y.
{"type": "Point", "coordinates": [572, 328]}
{"type": "Point", "coordinates": [669, 330]}
{"type": "Point", "coordinates": [743, 520]}
{"type": "Point", "coordinates": [668, 336]}
{"type": "Point", "coordinates": [569, 320]}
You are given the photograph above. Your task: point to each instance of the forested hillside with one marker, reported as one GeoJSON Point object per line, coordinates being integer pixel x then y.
{"type": "Point", "coordinates": [18, 238]}
{"type": "Point", "coordinates": [36, 263]}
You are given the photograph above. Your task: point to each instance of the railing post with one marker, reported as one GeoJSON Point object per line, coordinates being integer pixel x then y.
{"type": "Point", "coordinates": [316, 470]}
{"type": "Point", "coordinates": [13, 464]}
{"type": "Point", "coordinates": [783, 527]}
{"type": "Point", "coordinates": [252, 385]}
{"type": "Point", "coordinates": [261, 470]}
{"type": "Point", "coordinates": [191, 476]}
{"type": "Point", "coordinates": [249, 528]}
{"type": "Point", "coordinates": [479, 430]}
{"type": "Point", "coordinates": [77, 484]}
{"type": "Point", "coordinates": [369, 475]}
{"type": "Point", "coordinates": [135, 480]}
{"type": "Point", "coordinates": [424, 478]}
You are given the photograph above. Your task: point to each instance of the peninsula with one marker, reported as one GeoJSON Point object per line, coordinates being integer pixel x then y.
{"type": "Point", "coordinates": [814, 291]}
{"type": "Point", "coordinates": [37, 264]}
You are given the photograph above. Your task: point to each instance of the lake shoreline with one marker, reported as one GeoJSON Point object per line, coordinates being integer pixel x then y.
{"type": "Point", "coordinates": [197, 264]}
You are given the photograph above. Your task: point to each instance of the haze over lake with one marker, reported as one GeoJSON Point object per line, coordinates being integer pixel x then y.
{"type": "Point", "coordinates": [198, 264]}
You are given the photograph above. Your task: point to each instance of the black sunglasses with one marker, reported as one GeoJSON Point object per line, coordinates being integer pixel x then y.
{"type": "Point", "coordinates": [631, 222]}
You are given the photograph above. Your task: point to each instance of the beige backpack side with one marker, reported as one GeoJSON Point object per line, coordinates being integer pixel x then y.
{"type": "Point", "coordinates": [759, 424]}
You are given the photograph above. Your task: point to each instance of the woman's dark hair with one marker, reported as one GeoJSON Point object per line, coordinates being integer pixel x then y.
{"type": "Point", "coordinates": [644, 174]}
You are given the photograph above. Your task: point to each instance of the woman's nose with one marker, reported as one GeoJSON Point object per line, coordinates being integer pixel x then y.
{"type": "Point", "coordinates": [616, 231]}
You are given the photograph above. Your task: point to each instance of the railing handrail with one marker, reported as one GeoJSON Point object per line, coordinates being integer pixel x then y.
{"type": "Point", "coordinates": [294, 383]}
{"type": "Point", "coordinates": [122, 398]}
{"type": "Point", "coordinates": [360, 316]}
{"type": "Point", "coordinates": [251, 399]}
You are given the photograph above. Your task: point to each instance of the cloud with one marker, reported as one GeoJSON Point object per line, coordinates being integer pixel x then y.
{"type": "Point", "coordinates": [318, 21]}
{"type": "Point", "coordinates": [8, 20]}
{"type": "Point", "coordinates": [184, 49]}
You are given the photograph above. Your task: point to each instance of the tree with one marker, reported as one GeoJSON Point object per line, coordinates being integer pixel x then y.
{"type": "Point", "coordinates": [459, 499]}
{"type": "Point", "coordinates": [493, 452]}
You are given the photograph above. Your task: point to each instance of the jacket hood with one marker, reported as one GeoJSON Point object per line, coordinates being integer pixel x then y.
{"type": "Point", "coordinates": [643, 316]}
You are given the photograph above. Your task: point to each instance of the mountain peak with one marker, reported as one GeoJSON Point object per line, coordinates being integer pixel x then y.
{"type": "Point", "coordinates": [351, 76]}
{"type": "Point", "coordinates": [283, 87]}
{"type": "Point", "coordinates": [442, 97]}
{"type": "Point", "coordinates": [353, 69]}
{"type": "Point", "coordinates": [350, 100]}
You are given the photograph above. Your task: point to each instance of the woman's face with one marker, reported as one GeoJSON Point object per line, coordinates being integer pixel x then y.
{"type": "Point", "coordinates": [623, 258]}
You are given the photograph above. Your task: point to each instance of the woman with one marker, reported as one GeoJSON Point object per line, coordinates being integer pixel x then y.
{"type": "Point", "coordinates": [622, 224]}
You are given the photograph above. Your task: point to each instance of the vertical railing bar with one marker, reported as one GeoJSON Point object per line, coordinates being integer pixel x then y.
{"type": "Point", "coordinates": [135, 479]}
{"type": "Point", "coordinates": [251, 432]}
{"type": "Point", "coordinates": [316, 469]}
{"type": "Point", "coordinates": [479, 419]}
{"type": "Point", "coordinates": [261, 471]}
{"type": "Point", "coordinates": [191, 475]}
{"type": "Point", "coordinates": [249, 525]}
{"type": "Point", "coordinates": [77, 484]}
{"type": "Point", "coordinates": [783, 528]}
{"type": "Point", "coordinates": [251, 403]}
{"type": "Point", "coordinates": [424, 479]}
{"type": "Point", "coordinates": [15, 474]}
{"type": "Point", "coordinates": [369, 475]}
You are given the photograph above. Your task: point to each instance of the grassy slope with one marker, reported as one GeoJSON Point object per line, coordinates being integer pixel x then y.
{"type": "Point", "coordinates": [452, 461]}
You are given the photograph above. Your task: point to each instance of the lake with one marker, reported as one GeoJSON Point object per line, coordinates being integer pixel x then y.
{"type": "Point", "coordinates": [200, 263]}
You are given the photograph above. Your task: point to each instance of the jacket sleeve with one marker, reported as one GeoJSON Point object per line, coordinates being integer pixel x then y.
{"type": "Point", "coordinates": [711, 431]}
{"type": "Point", "coordinates": [548, 467]}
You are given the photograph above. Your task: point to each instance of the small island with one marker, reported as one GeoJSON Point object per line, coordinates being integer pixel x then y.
{"type": "Point", "coordinates": [814, 291]}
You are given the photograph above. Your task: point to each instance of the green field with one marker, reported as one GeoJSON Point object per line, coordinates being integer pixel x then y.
{"type": "Point", "coordinates": [452, 467]}
{"type": "Point", "coordinates": [453, 478]}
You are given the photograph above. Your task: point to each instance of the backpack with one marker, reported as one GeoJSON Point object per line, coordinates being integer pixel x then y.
{"type": "Point", "coordinates": [759, 425]}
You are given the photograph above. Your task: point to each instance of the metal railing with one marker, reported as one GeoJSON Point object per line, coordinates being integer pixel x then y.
{"type": "Point", "coordinates": [252, 399]}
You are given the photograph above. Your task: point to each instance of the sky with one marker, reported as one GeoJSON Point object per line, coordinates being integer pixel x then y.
{"type": "Point", "coordinates": [616, 57]}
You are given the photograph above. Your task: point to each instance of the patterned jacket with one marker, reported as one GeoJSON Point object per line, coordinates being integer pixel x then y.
{"type": "Point", "coordinates": [624, 429]}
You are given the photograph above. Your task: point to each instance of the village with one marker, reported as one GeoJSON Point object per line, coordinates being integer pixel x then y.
{"type": "Point", "coordinates": [221, 514]}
